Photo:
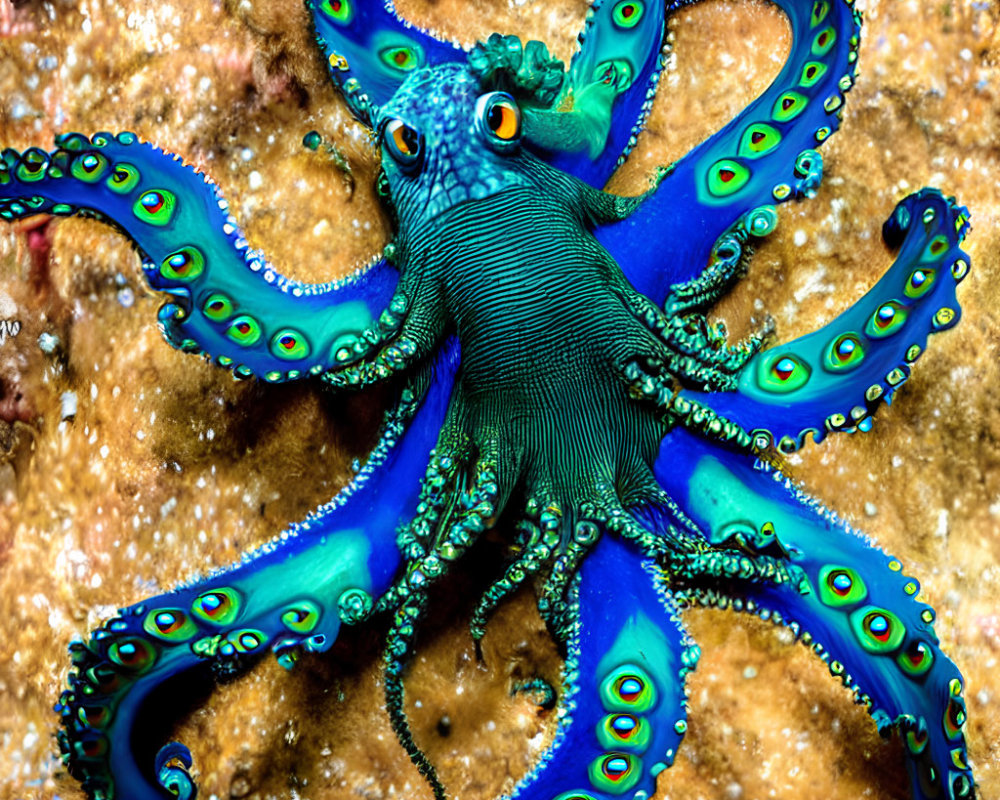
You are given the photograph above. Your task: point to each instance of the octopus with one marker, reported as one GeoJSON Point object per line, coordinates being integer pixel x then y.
{"type": "Point", "coordinates": [556, 385]}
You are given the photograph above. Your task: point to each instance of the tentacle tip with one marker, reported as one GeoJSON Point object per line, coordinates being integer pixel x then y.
{"type": "Point", "coordinates": [172, 764]}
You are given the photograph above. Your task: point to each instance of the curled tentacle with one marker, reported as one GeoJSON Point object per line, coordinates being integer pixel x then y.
{"type": "Point", "coordinates": [370, 50]}
{"type": "Point", "coordinates": [226, 300]}
{"type": "Point", "coordinates": [834, 379]}
{"type": "Point", "coordinates": [608, 92]}
{"type": "Point", "coordinates": [289, 596]}
{"type": "Point", "coordinates": [623, 707]}
{"type": "Point", "coordinates": [861, 614]}
{"type": "Point", "coordinates": [766, 155]}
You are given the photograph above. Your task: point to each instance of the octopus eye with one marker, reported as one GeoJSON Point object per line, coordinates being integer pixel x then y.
{"type": "Point", "coordinates": [404, 143]}
{"type": "Point", "coordinates": [627, 13]}
{"type": "Point", "coordinates": [500, 120]}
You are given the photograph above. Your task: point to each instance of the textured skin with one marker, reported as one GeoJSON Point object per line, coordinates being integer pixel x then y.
{"type": "Point", "coordinates": [564, 395]}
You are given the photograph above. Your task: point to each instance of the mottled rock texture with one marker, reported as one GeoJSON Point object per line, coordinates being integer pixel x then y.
{"type": "Point", "coordinates": [168, 466]}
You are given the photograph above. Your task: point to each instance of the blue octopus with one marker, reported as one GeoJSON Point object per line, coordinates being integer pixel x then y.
{"type": "Point", "coordinates": [554, 378]}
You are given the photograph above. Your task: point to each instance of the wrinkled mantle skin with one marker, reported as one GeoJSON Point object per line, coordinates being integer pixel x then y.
{"type": "Point", "coordinates": [555, 380]}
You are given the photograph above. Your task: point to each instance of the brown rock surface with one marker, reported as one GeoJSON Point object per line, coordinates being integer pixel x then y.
{"type": "Point", "coordinates": [169, 466]}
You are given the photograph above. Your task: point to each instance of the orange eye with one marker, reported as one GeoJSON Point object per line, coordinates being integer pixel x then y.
{"type": "Point", "coordinates": [405, 144]}
{"type": "Point", "coordinates": [500, 118]}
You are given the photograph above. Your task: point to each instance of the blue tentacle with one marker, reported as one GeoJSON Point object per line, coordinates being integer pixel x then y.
{"type": "Point", "coordinates": [370, 50]}
{"type": "Point", "coordinates": [607, 93]}
{"type": "Point", "coordinates": [624, 701]}
{"type": "Point", "coordinates": [289, 596]}
{"type": "Point", "coordinates": [861, 613]}
{"type": "Point", "coordinates": [834, 378]}
{"type": "Point", "coordinates": [226, 301]}
{"type": "Point", "coordinates": [766, 155]}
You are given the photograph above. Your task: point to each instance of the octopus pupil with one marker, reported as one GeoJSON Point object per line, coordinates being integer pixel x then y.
{"type": "Point", "coordinates": [918, 278]}
{"type": "Point", "coordinates": [878, 625]}
{"type": "Point", "coordinates": [846, 347]}
{"type": "Point", "coordinates": [288, 343]}
{"type": "Point", "coordinates": [243, 327]}
{"type": "Point", "coordinates": [787, 103]}
{"type": "Point", "coordinates": [726, 175]}
{"type": "Point", "coordinates": [628, 11]}
{"type": "Point", "coordinates": [756, 137]}
{"type": "Point", "coordinates": [886, 313]}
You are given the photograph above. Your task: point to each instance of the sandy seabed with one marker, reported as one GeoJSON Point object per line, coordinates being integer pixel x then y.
{"type": "Point", "coordinates": [169, 466]}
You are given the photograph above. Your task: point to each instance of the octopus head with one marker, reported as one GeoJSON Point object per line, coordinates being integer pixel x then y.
{"type": "Point", "coordinates": [445, 141]}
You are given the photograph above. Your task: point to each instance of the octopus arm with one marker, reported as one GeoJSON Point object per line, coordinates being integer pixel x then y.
{"type": "Point", "coordinates": [857, 611]}
{"type": "Point", "coordinates": [370, 50]}
{"type": "Point", "coordinates": [623, 711]}
{"type": "Point", "coordinates": [290, 596]}
{"type": "Point", "coordinates": [764, 156]}
{"type": "Point", "coordinates": [225, 300]}
{"type": "Point", "coordinates": [607, 92]}
{"type": "Point", "coordinates": [834, 378]}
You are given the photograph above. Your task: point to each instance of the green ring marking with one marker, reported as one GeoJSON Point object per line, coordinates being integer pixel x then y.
{"type": "Point", "coordinates": [132, 653]}
{"type": "Point", "coordinates": [183, 265]}
{"type": "Point", "coordinates": [727, 177]}
{"type": "Point", "coordinates": [244, 330]}
{"type": "Point", "coordinates": [155, 207]}
{"type": "Point", "coordinates": [781, 373]}
{"type": "Point", "coordinates": [123, 178]}
{"type": "Point", "coordinates": [841, 586]}
{"type": "Point", "coordinates": [290, 345]}
{"type": "Point", "coordinates": [920, 282]}
{"type": "Point", "coordinates": [888, 319]}
{"type": "Point", "coordinates": [575, 795]}
{"type": "Point", "coordinates": [247, 640]}
{"type": "Point", "coordinates": [402, 58]}
{"type": "Point", "coordinates": [217, 307]}
{"type": "Point", "coordinates": [218, 606]}
{"type": "Point", "coordinates": [169, 624]}
{"type": "Point", "coordinates": [302, 617]}
{"type": "Point", "coordinates": [340, 11]}
{"type": "Point", "coordinates": [877, 629]}
{"type": "Point", "coordinates": [845, 353]}
{"type": "Point", "coordinates": [916, 660]}
{"type": "Point", "coordinates": [819, 11]}
{"type": "Point", "coordinates": [788, 106]}
{"type": "Point", "coordinates": [32, 165]}
{"type": "Point", "coordinates": [758, 140]}
{"type": "Point", "coordinates": [89, 167]}
{"type": "Point", "coordinates": [628, 13]}
{"type": "Point", "coordinates": [916, 741]}
{"type": "Point", "coordinates": [824, 41]}
{"type": "Point", "coordinates": [934, 250]}
{"type": "Point", "coordinates": [628, 688]}
{"type": "Point", "coordinates": [615, 773]}
{"type": "Point", "coordinates": [624, 731]}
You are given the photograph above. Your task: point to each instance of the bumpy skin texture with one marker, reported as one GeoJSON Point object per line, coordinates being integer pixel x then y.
{"type": "Point", "coordinates": [561, 375]}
